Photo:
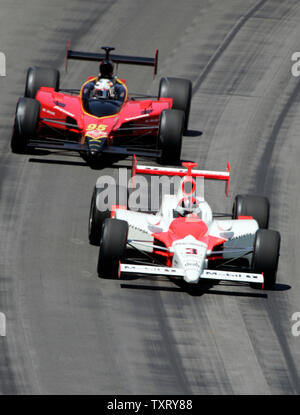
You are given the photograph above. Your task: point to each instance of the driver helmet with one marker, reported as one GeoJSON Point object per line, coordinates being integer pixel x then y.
{"type": "Point", "coordinates": [188, 206]}
{"type": "Point", "coordinates": [104, 88]}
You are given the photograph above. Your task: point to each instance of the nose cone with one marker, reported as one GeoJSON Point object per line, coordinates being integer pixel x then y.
{"type": "Point", "coordinates": [190, 254]}
{"type": "Point", "coordinates": [95, 145]}
{"type": "Point", "coordinates": [191, 276]}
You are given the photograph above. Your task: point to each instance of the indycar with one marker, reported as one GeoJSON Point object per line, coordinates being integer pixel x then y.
{"type": "Point", "coordinates": [48, 117]}
{"type": "Point", "coordinates": [185, 239]}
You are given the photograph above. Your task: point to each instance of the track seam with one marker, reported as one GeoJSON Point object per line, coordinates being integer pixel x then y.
{"type": "Point", "coordinates": [260, 183]}
{"type": "Point", "coordinates": [264, 162]}
{"type": "Point", "coordinates": [224, 45]}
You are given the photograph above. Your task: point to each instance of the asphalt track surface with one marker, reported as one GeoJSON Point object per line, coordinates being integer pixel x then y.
{"type": "Point", "coordinates": [69, 332]}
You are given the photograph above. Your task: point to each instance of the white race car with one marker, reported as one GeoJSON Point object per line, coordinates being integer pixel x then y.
{"type": "Point", "coordinates": [185, 238]}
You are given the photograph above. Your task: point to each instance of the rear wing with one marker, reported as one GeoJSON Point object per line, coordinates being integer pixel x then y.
{"type": "Point", "coordinates": [97, 57]}
{"type": "Point", "coordinates": [186, 171]}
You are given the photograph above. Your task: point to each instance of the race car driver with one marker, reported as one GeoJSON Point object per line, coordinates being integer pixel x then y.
{"type": "Point", "coordinates": [106, 86]}
{"type": "Point", "coordinates": [190, 207]}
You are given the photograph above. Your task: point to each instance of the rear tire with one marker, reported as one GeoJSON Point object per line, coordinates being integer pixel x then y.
{"type": "Point", "coordinates": [25, 125]}
{"type": "Point", "coordinates": [96, 219]}
{"type": "Point", "coordinates": [99, 212]}
{"type": "Point", "coordinates": [170, 136]}
{"type": "Point", "coordinates": [112, 247]}
{"type": "Point", "coordinates": [256, 206]}
{"type": "Point", "coordinates": [38, 77]}
{"type": "Point", "coordinates": [265, 256]}
{"type": "Point", "coordinates": [180, 90]}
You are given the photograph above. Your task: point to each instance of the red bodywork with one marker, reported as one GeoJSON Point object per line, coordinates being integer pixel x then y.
{"type": "Point", "coordinates": [142, 114]}
{"type": "Point", "coordinates": [180, 228]}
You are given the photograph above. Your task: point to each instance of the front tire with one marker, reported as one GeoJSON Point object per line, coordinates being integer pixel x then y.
{"type": "Point", "coordinates": [170, 136]}
{"type": "Point", "coordinates": [112, 247]}
{"type": "Point", "coordinates": [180, 90]}
{"type": "Point", "coordinates": [265, 256]}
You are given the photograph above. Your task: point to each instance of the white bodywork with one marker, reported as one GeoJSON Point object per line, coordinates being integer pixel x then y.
{"type": "Point", "coordinates": [190, 255]}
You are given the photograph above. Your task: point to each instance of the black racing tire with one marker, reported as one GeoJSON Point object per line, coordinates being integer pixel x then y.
{"type": "Point", "coordinates": [25, 125]}
{"type": "Point", "coordinates": [112, 247]}
{"type": "Point", "coordinates": [99, 212]}
{"type": "Point", "coordinates": [256, 206]}
{"type": "Point", "coordinates": [180, 90]}
{"type": "Point", "coordinates": [170, 136]}
{"type": "Point", "coordinates": [96, 219]}
{"type": "Point", "coordinates": [265, 256]}
{"type": "Point", "coordinates": [38, 77]}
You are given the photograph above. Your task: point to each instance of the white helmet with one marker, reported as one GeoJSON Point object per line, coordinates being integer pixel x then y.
{"type": "Point", "coordinates": [188, 205]}
{"type": "Point", "coordinates": [104, 88]}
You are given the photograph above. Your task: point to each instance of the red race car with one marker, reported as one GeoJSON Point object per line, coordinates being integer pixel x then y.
{"type": "Point", "coordinates": [102, 117]}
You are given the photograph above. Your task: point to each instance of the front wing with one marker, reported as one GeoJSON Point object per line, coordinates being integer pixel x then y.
{"type": "Point", "coordinates": [216, 275]}
{"type": "Point", "coordinates": [117, 150]}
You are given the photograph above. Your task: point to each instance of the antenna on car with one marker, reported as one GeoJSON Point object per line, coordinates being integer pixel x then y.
{"type": "Point", "coordinates": [117, 71]}
{"type": "Point", "coordinates": [107, 49]}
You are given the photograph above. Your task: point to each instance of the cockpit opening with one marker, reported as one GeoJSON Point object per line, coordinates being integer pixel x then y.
{"type": "Point", "coordinates": [102, 108]}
